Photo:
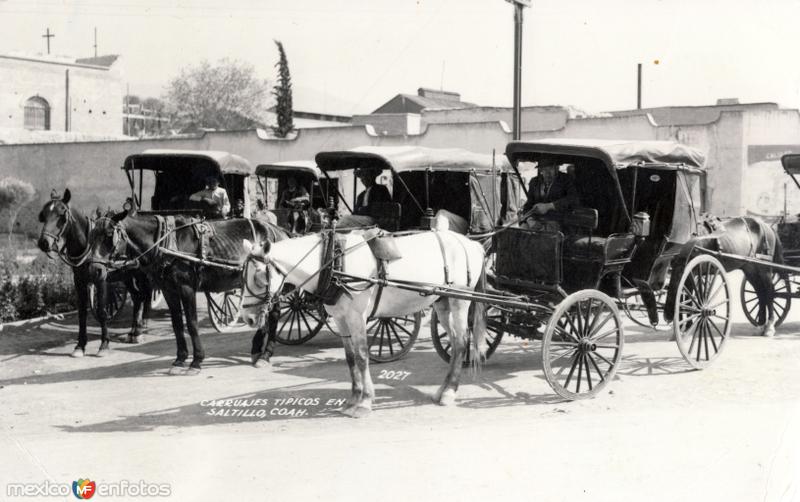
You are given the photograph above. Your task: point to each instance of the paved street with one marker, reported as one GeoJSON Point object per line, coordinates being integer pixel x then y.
{"type": "Point", "coordinates": [660, 432]}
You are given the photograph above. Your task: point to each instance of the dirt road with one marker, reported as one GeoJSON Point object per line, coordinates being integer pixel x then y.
{"type": "Point", "coordinates": [660, 432]}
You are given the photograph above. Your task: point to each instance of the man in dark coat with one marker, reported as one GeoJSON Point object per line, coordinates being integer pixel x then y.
{"type": "Point", "coordinates": [373, 192]}
{"type": "Point", "coordinates": [550, 191]}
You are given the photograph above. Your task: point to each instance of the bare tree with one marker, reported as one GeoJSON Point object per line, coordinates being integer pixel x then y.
{"type": "Point", "coordinates": [14, 194]}
{"type": "Point", "coordinates": [224, 95]}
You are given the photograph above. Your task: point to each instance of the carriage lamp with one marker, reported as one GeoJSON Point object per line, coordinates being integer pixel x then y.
{"type": "Point", "coordinates": [641, 224]}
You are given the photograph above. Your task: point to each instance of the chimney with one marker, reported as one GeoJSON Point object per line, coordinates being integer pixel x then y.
{"type": "Point", "coordinates": [727, 101]}
{"type": "Point", "coordinates": [440, 95]}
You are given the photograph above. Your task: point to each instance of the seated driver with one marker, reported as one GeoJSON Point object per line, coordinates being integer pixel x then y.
{"type": "Point", "coordinates": [295, 196]}
{"type": "Point", "coordinates": [215, 196]}
{"type": "Point", "coordinates": [548, 193]}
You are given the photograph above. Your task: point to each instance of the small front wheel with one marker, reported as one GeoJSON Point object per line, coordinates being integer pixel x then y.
{"type": "Point", "coordinates": [582, 345]}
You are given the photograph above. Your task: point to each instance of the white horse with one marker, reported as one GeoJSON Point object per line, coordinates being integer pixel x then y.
{"type": "Point", "coordinates": [441, 258]}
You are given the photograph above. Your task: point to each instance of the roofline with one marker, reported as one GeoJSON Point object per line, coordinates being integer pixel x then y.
{"type": "Point", "coordinates": [58, 63]}
{"type": "Point", "coordinates": [675, 107]}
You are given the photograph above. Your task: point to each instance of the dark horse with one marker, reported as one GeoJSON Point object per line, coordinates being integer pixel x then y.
{"type": "Point", "coordinates": [143, 241]}
{"type": "Point", "coordinates": [745, 237]}
{"type": "Point", "coordinates": [65, 231]}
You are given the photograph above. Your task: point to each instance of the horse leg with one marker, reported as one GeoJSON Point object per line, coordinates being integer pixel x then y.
{"type": "Point", "coordinates": [82, 290]}
{"type": "Point", "coordinates": [356, 383]}
{"type": "Point", "coordinates": [453, 315]}
{"type": "Point", "coordinates": [102, 300]}
{"type": "Point", "coordinates": [766, 301]}
{"type": "Point", "coordinates": [176, 315]}
{"type": "Point", "coordinates": [189, 302]}
{"type": "Point", "coordinates": [358, 337]}
{"type": "Point", "coordinates": [264, 339]}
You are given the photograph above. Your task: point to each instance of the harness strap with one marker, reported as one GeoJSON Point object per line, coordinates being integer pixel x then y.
{"type": "Point", "coordinates": [444, 258]}
{"type": "Point", "coordinates": [381, 284]}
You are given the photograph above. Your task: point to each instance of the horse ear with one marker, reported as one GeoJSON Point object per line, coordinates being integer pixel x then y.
{"type": "Point", "coordinates": [54, 194]}
{"type": "Point", "coordinates": [266, 247]}
{"type": "Point", "coordinates": [67, 196]}
{"type": "Point", "coordinates": [248, 246]}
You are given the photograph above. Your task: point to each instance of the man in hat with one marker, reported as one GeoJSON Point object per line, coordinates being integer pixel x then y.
{"type": "Point", "coordinates": [215, 196]}
{"type": "Point", "coordinates": [551, 191]}
{"type": "Point", "coordinates": [373, 192]}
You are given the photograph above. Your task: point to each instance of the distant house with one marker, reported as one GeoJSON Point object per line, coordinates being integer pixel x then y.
{"type": "Point", "coordinates": [425, 99]}
{"type": "Point", "coordinates": [59, 94]}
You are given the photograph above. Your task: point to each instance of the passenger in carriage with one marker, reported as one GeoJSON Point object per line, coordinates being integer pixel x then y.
{"type": "Point", "coordinates": [373, 192]}
{"type": "Point", "coordinates": [549, 193]}
{"type": "Point", "coordinates": [295, 196]}
{"type": "Point", "coordinates": [215, 197]}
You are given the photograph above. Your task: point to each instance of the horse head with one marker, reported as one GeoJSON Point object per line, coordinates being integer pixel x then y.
{"type": "Point", "coordinates": [259, 291]}
{"type": "Point", "coordinates": [108, 242]}
{"type": "Point", "coordinates": [55, 217]}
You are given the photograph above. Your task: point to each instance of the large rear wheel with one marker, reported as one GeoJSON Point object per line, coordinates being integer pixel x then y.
{"type": "Point", "coordinates": [117, 294]}
{"type": "Point", "coordinates": [702, 320]}
{"type": "Point", "coordinates": [223, 310]}
{"type": "Point", "coordinates": [755, 311]}
{"type": "Point", "coordinates": [391, 338]}
{"type": "Point", "coordinates": [582, 345]}
{"type": "Point", "coordinates": [494, 334]}
{"type": "Point", "coordinates": [302, 316]}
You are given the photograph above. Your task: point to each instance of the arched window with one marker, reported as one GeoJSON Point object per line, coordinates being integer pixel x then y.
{"type": "Point", "coordinates": [37, 114]}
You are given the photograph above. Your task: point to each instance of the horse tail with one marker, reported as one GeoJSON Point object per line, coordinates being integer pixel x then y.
{"type": "Point", "coordinates": [777, 254]}
{"type": "Point", "coordinates": [478, 324]}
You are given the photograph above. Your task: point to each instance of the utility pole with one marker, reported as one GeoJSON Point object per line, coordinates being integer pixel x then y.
{"type": "Point", "coordinates": [95, 41]}
{"type": "Point", "coordinates": [639, 86]}
{"type": "Point", "coordinates": [517, 119]}
{"type": "Point", "coordinates": [48, 36]}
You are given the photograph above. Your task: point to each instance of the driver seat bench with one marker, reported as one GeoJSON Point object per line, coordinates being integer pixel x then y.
{"type": "Point", "coordinates": [581, 244]}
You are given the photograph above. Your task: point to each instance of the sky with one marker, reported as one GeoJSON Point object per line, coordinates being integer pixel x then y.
{"type": "Point", "coordinates": [351, 56]}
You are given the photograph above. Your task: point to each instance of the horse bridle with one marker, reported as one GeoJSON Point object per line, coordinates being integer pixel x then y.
{"type": "Point", "coordinates": [264, 300]}
{"type": "Point", "coordinates": [61, 247]}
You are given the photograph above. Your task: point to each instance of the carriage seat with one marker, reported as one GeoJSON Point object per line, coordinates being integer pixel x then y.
{"type": "Point", "coordinates": [579, 241]}
{"type": "Point", "coordinates": [386, 215]}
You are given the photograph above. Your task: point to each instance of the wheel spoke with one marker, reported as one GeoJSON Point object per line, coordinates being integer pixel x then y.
{"type": "Point", "coordinates": [390, 325]}
{"type": "Point", "coordinates": [711, 336]}
{"type": "Point", "coordinates": [572, 369]}
{"type": "Point", "coordinates": [597, 368]}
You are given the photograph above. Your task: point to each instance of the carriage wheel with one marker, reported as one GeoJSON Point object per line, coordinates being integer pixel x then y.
{"type": "Point", "coordinates": [702, 320]}
{"type": "Point", "coordinates": [116, 300]}
{"type": "Point", "coordinates": [635, 310]}
{"type": "Point", "coordinates": [302, 316]}
{"type": "Point", "coordinates": [782, 302]}
{"type": "Point", "coordinates": [494, 334]}
{"type": "Point", "coordinates": [390, 338]}
{"type": "Point", "coordinates": [582, 345]}
{"type": "Point", "coordinates": [223, 310]}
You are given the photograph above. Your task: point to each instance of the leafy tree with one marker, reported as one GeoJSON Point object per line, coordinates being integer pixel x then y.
{"type": "Point", "coordinates": [14, 194]}
{"type": "Point", "coordinates": [283, 95]}
{"type": "Point", "coordinates": [224, 95]}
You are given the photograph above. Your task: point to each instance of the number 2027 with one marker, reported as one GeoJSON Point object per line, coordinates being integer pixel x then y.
{"type": "Point", "coordinates": [393, 375]}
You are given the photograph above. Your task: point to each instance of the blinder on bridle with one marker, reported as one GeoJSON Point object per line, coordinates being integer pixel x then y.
{"type": "Point", "coordinates": [264, 300]}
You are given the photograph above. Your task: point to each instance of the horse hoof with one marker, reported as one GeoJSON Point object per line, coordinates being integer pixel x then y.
{"type": "Point", "coordinates": [103, 352]}
{"type": "Point", "coordinates": [261, 363]}
{"type": "Point", "coordinates": [78, 352]}
{"type": "Point", "coordinates": [769, 332]}
{"type": "Point", "coordinates": [361, 412]}
{"type": "Point", "coordinates": [176, 370]}
{"type": "Point", "coordinates": [191, 371]}
{"type": "Point", "coordinates": [448, 398]}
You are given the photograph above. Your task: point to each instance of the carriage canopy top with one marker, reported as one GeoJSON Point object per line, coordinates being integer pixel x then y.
{"type": "Point", "coordinates": [165, 160]}
{"type": "Point", "coordinates": [288, 167]}
{"type": "Point", "coordinates": [615, 154]}
{"type": "Point", "coordinates": [410, 158]}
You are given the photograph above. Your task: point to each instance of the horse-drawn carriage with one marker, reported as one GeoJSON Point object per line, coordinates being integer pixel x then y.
{"type": "Point", "coordinates": [174, 176]}
{"type": "Point", "coordinates": [476, 191]}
